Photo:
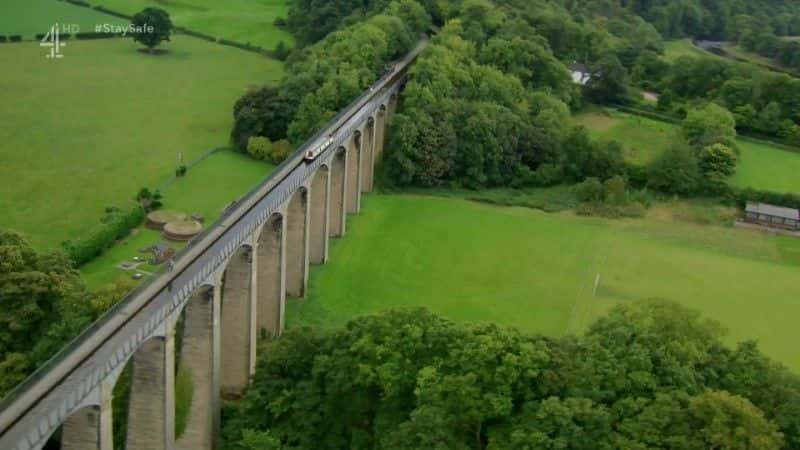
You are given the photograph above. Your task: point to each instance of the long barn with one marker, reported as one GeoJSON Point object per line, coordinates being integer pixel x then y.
{"type": "Point", "coordinates": [773, 216]}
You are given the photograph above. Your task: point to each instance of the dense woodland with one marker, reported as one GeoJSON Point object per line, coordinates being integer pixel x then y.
{"type": "Point", "coordinates": [649, 375]}
{"type": "Point", "coordinates": [489, 102]}
{"type": "Point", "coordinates": [45, 304]}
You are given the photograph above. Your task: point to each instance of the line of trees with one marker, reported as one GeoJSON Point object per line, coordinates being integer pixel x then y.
{"type": "Point", "coordinates": [650, 374]}
{"type": "Point", "coordinates": [324, 77]}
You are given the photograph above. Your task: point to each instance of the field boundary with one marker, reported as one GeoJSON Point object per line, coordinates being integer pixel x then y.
{"type": "Point", "coordinates": [674, 119]}
{"type": "Point", "coordinates": [173, 178]}
{"type": "Point", "coordinates": [188, 32]}
{"type": "Point", "coordinates": [246, 46]}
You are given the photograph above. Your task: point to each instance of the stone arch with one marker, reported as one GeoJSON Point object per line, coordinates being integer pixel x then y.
{"type": "Point", "coordinates": [297, 243]}
{"type": "Point", "coordinates": [318, 239]}
{"type": "Point", "coordinates": [237, 310]}
{"type": "Point", "coordinates": [271, 276]}
{"type": "Point", "coordinates": [197, 360]}
{"type": "Point", "coordinates": [151, 402]}
{"type": "Point", "coordinates": [88, 427]}
{"type": "Point", "coordinates": [367, 155]}
{"type": "Point", "coordinates": [336, 217]}
{"type": "Point", "coordinates": [353, 173]}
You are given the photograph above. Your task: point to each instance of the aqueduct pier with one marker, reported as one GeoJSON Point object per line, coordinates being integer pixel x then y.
{"type": "Point", "coordinates": [229, 284]}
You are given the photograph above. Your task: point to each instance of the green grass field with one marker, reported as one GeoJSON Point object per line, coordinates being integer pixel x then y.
{"type": "Point", "coordinates": [537, 271]}
{"type": "Point", "coordinates": [206, 189]}
{"type": "Point", "coordinates": [761, 165]}
{"type": "Point", "coordinates": [88, 130]}
{"type": "Point", "coordinates": [643, 139]}
{"type": "Point", "coordinates": [684, 47]}
{"type": "Point", "coordinates": [31, 17]}
{"type": "Point", "coordinates": [238, 20]}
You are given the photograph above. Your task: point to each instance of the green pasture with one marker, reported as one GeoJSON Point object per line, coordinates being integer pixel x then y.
{"type": "Point", "coordinates": [206, 189]}
{"type": "Point", "coordinates": [239, 20]}
{"type": "Point", "coordinates": [538, 271]}
{"type": "Point", "coordinates": [28, 18]}
{"type": "Point", "coordinates": [683, 47]}
{"type": "Point", "coordinates": [764, 166]}
{"type": "Point", "coordinates": [643, 139]}
{"type": "Point", "coordinates": [761, 165]}
{"type": "Point", "coordinates": [89, 130]}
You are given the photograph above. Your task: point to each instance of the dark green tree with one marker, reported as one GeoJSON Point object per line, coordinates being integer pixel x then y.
{"type": "Point", "coordinates": [155, 26]}
{"type": "Point", "coordinates": [676, 171]}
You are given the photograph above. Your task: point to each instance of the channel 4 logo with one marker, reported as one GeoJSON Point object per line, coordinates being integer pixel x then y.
{"type": "Point", "coordinates": [52, 39]}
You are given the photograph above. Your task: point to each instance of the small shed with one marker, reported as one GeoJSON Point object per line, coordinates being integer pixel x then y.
{"type": "Point", "coordinates": [580, 73]}
{"type": "Point", "coordinates": [773, 216]}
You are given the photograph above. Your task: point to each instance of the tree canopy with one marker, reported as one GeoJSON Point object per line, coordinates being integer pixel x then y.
{"type": "Point", "coordinates": [651, 374]}
{"type": "Point", "coordinates": [152, 26]}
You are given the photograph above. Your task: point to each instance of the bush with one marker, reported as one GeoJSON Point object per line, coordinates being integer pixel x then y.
{"type": "Point", "coordinates": [116, 224]}
{"type": "Point", "coordinates": [149, 201]}
{"type": "Point", "coordinates": [615, 190]}
{"type": "Point", "coordinates": [181, 171]}
{"type": "Point", "coordinates": [280, 151]}
{"type": "Point", "coordinates": [590, 190]}
{"type": "Point", "coordinates": [260, 148]}
{"type": "Point", "coordinates": [281, 51]}
{"type": "Point", "coordinates": [2, 39]}
{"type": "Point", "coordinates": [718, 158]}
{"type": "Point", "coordinates": [677, 171]}
{"type": "Point", "coordinates": [279, 22]}
{"type": "Point", "coordinates": [15, 38]}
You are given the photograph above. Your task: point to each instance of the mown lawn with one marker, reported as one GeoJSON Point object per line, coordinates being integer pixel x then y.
{"type": "Point", "coordinates": [206, 189]}
{"type": "Point", "coordinates": [238, 20]}
{"type": "Point", "coordinates": [537, 271]}
{"type": "Point", "coordinates": [28, 18]}
{"type": "Point", "coordinates": [761, 165]}
{"type": "Point", "coordinates": [88, 130]}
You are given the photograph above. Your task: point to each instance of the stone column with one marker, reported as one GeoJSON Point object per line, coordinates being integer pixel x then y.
{"type": "Point", "coordinates": [353, 175]}
{"type": "Point", "coordinates": [151, 408]}
{"type": "Point", "coordinates": [236, 336]}
{"type": "Point", "coordinates": [367, 157]}
{"type": "Point", "coordinates": [318, 251]}
{"type": "Point", "coordinates": [216, 364]}
{"type": "Point", "coordinates": [197, 360]}
{"type": "Point", "coordinates": [297, 244]}
{"type": "Point", "coordinates": [271, 276]}
{"type": "Point", "coordinates": [380, 134]}
{"type": "Point", "coordinates": [337, 218]}
{"type": "Point", "coordinates": [90, 428]}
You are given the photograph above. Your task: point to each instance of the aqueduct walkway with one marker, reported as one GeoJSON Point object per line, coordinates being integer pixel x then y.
{"type": "Point", "coordinates": [230, 285]}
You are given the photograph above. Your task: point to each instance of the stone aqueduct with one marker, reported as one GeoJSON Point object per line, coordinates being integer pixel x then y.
{"type": "Point", "coordinates": [230, 284]}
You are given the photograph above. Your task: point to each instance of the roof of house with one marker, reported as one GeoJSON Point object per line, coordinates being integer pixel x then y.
{"type": "Point", "coordinates": [772, 210]}
{"type": "Point", "coordinates": [579, 67]}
